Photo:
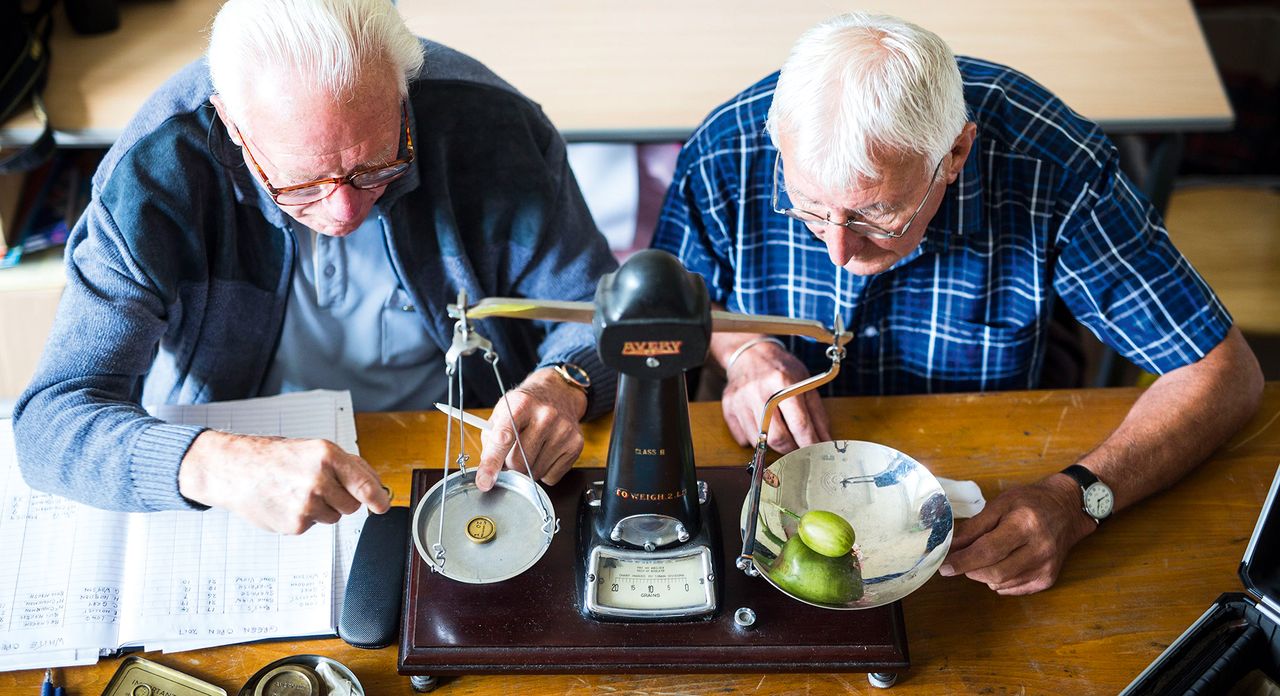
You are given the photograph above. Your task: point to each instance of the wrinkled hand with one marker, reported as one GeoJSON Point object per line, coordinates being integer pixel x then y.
{"type": "Point", "coordinates": [757, 375]}
{"type": "Point", "coordinates": [1017, 545]}
{"type": "Point", "coordinates": [547, 411]}
{"type": "Point", "coordinates": [278, 484]}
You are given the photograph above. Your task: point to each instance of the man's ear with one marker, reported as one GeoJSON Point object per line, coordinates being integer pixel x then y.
{"type": "Point", "coordinates": [221, 108]}
{"type": "Point", "coordinates": [960, 150]}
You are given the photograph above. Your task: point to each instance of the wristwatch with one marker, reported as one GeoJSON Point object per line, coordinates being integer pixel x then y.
{"type": "Point", "coordinates": [572, 374]}
{"type": "Point", "coordinates": [1097, 496]}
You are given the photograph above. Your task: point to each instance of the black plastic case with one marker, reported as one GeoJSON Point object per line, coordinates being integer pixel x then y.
{"type": "Point", "coordinates": [1239, 634]}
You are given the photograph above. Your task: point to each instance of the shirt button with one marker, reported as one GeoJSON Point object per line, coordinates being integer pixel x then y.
{"type": "Point", "coordinates": [329, 271]}
{"type": "Point", "coordinates": [870, 332]}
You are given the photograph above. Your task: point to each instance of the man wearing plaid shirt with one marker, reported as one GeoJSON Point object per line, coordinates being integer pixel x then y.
{"type": "Point", "coordinates": [940, 206]}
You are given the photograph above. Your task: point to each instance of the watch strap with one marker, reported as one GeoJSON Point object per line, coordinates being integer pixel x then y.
{"type": "Point", "coordinates": [1081, 475]}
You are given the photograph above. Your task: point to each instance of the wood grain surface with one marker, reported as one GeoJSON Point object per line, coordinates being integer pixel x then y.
{"type": "Point", "coordinates": [1125, 594]}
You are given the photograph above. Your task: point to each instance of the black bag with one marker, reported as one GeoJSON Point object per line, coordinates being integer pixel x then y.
{"type": "Point", "coordinates": [24, 68]}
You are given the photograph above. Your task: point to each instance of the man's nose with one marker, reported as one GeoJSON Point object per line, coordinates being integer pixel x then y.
{"type": "Point", "coordinates": [345, 203]}
{"type": "Point", "coordinates": [839, 243]}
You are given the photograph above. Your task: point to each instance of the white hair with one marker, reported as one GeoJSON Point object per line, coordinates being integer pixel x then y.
{"type": "Point", "coordinates": [860, 86]}
{"type": "Point", "coordinates": [320, 45]}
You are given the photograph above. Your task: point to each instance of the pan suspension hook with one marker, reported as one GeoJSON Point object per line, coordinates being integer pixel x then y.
{"type": "Point", "coordinates": [466, 341]}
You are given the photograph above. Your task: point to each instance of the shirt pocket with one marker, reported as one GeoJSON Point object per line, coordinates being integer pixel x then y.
{"type": "Point", "coordinates": [978, 356]}
{"type": "Point", "coordinates": [404, 341]}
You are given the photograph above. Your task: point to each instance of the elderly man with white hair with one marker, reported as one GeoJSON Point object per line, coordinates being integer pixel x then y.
{"type": "Point", "coordinates": [295, 212]}
{"type": "Point", "coordinates": [941, 205]}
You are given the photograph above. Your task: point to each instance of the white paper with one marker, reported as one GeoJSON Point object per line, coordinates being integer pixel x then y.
{"type": "Point", "coordinates": [60, 579]}
{"type": "Point", "coordinates": [965, 497]}
{"type": "Point", "coordinates": [45, 660]}
{"type": "Point", "coordinates": [85, 579]}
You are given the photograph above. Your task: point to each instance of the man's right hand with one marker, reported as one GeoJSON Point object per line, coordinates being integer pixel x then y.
{"type": "Point", "coordinates": [282, 485]}
{"type": "Point", "coordinates": [758, 374]}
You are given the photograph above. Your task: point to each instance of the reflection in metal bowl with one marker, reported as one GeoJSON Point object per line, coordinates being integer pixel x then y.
{"type": "Point", "coordinates": [899, 513]}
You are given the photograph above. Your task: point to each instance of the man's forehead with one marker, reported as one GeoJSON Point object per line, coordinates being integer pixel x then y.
{"type": "Point", "coordinates": [281, 94]}
{"type": "Point", "coordinates": [897, 175]}
{"type": "Point", "coordinates": [295, 120]}
{"type": "Point", "coordinates": [297, 104]}
{"type": "Point", "coordinates": [859, 193]}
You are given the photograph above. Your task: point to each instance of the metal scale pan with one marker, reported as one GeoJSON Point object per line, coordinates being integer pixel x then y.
{"type": "Point", "coordinates": [900, 515]}
{"type": "Point", "coordinates": [489, 536]}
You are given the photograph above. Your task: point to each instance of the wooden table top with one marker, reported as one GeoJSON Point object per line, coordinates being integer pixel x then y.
{"type": "Point", "coordinates": [653, 70]}
{"type": "Point", "coordinates": [1124, 595]}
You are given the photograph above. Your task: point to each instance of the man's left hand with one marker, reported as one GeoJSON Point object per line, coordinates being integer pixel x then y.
{"type": "Point", "coordinates": [546, 410]}
{"type": "Point", "coordinates": [1018, 543]}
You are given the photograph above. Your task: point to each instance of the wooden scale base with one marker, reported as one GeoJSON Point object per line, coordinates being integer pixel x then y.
{"type": "Point", "coordinates": [533, 623]}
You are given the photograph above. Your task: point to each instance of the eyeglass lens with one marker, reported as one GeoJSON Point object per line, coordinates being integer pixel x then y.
{"type": "Point", "coordinates": [364, 180]}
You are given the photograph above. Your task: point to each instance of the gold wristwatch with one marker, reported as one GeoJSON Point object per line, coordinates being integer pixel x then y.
{"type": "Point", "coordinates": [572, 374]}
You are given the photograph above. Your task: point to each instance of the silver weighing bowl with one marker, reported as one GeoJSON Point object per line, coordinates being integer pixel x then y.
{"type": "Point", "coordinates": [515, 508]}
{"type": "Point", "coordinates": [901, 517]}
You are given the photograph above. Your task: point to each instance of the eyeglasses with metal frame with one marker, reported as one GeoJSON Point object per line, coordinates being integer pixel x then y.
{"type": "Point", "coordinates": [862, 227]}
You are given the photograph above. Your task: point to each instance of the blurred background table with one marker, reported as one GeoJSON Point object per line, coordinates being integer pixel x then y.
{"type": "Point", "coordinates": [653, 70]}
{"type": "Point", "coordinates": [1125, 594]}
{"type": "Point", "coordinates": [650, 72]}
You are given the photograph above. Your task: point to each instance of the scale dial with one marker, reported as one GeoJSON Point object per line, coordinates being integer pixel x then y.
{"type": "Point", "coordinates": [677, 584]}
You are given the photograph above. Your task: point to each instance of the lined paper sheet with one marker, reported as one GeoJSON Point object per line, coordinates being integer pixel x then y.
{"type": "Point", "coordinates": [55, 658]}
{"type": "Point", "coordinates": [60, 580]}
{"type": "Point", "coordinates": [212, 578]}
{"type": "Point", "coordinates": [76, 580]}
{"type": "Point", "coordinates": [200, 579]}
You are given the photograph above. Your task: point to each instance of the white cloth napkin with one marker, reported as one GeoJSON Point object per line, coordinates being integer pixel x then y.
{"type": "Point", "coordinates": [336, 684]}
{"type": "Point", "coordinates": [965, 497]}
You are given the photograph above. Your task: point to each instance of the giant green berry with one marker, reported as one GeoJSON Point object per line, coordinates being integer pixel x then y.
{"type": "Point", "coordinates": [827, 533]}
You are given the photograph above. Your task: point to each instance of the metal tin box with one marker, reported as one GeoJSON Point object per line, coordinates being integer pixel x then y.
{"type": "Point", "coordinates": [137, 676]}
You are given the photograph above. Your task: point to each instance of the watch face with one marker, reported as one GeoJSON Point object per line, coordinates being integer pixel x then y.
{"type": "Point", "coordinates": [574, 375]}
{"type": "Point", "coordinates": [1098, 500]}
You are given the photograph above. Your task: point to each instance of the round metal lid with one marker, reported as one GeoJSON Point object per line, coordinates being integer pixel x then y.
{"type": "Point", "coordinates": [489, 536]}
{"type": "Point", "coordinates": [289, 680]}
{"type": "Point", "coordinates": [295, 674]}
{"type": "Point", "coordinates": [900, 515]}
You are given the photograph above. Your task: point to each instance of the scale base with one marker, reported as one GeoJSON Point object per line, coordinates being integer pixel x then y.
{"type": "Point", "coordinates": [533, 623]}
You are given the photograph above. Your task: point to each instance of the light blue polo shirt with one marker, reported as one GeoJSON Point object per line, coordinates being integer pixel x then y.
{"type": "Point", "coordinates": [351, 325]}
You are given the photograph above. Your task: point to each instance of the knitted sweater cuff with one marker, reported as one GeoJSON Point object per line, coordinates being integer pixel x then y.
{"type": "Point", "coordinates": [157, 456]}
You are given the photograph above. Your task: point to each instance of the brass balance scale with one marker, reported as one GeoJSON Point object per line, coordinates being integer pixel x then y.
{"type": "Point", "coordinates": [651, 576]}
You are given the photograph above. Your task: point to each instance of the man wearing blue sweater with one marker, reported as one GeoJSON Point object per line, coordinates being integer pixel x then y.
{"type": "Point", "coordinates": [296, 212]}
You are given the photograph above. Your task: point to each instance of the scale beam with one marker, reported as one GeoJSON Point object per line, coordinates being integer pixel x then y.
{"type": "Point", "coordinates": [584, 312]}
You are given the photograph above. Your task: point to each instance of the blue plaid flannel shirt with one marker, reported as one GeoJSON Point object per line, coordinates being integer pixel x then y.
{"type": "Point", "coordinates": [1039, 211]}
